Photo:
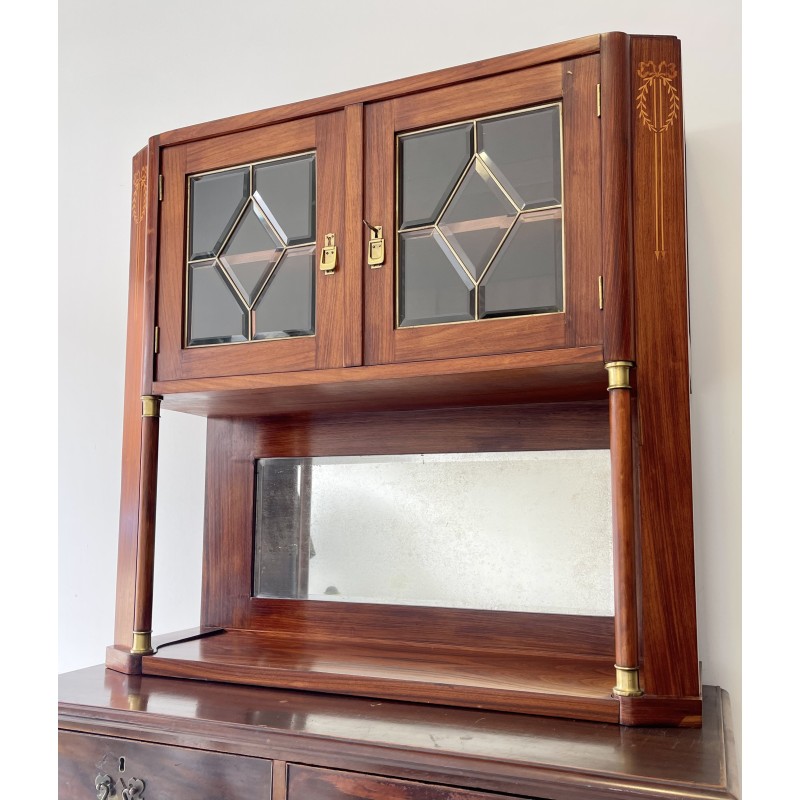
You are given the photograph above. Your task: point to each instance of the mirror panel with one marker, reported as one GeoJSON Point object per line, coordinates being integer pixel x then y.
{"type": "Point", "coordinates": [496, 531]}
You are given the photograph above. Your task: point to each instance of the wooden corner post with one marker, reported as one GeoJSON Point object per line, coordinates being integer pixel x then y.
{"type": "Point", "coordinates": [134, 596]}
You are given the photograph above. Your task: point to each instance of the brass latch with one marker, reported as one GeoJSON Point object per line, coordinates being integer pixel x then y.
{"type": "Point", "coordinates": [376, 252]}
{"type": "Point", "coordinates": [327, 261]}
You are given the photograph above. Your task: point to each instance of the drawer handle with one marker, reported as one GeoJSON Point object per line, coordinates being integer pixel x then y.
{"type": "Point", "coordinates": [104, 786]}
{"type": "Point", "coordinates": [134, 790]}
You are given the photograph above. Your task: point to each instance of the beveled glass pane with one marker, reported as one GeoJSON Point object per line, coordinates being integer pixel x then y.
{"type": "Point", "coordinates": [526, 275]}
{"type": "Point", "coordinates": [517, 531]}
{"type": "Point", "coordinates": [477, 218]}
{"type": "Point", "coordinates": [524, 153]}
{"type": "Point", "coordinates": [251, 252]}
{"type": "Point", "coordinates": [286, 190]}
{"type": "Point", "coordinates": [216, 315]}
{"type": "Point", "coordinates": [430, 165]}
{"type": "Point", "coordinates": [216, 201]}
{"type": "Point", "coordinates": [286, 306]}
{"type": "Point", "coordinates": [433, 287]}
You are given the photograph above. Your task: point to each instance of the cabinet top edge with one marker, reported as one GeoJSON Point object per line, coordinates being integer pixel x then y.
{"type": "Point", "coordinates": [573, 48]}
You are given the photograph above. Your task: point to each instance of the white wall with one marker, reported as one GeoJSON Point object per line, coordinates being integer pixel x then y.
{"type": "Point", "coordinates": [131, 70]}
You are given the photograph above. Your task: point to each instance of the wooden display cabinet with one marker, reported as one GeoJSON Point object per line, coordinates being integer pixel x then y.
{"type": "Point", "coordinates": [590, 351]}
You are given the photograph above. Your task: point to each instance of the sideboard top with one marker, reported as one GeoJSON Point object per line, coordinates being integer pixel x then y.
{"type": "Point", "coordinates": [526, 752]}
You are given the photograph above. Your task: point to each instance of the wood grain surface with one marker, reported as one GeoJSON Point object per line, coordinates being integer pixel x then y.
{"type": "Point", "coordinates": [167, 773]}
{"type": "Point", "coordinates": [578, 688]}
{"type": "Point", "coordinates": [669, 626]}
{"type": "Point", "coordinates": [138, 377]}
{"type": "Point", "coordinates": [475, 750]}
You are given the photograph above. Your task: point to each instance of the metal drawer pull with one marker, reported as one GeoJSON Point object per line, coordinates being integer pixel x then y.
{"type": "Point", "coordinates": [134, 790]}
{"type": "Point", "coordinates": [104, 786]}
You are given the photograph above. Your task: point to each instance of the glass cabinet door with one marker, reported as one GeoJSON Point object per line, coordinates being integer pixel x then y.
{"type": "Point", "coordinates": [242, 225]}
{"type": "Point", "coordinates": [493, 216]}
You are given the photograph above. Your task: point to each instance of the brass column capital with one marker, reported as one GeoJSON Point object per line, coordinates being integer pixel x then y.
{"type": "Point", "coordinates": [142, 643]}
{"type": "Point", "coordinates": [619, 374]}
{"type": "Point", "coordinates": [151, 406]}
{"type": "Point", "coordinates": [627, 682]}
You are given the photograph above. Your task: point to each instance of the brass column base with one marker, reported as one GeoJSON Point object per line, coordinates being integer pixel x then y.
{"type": "Point", "coordinates": [142, 644]}
{"type": "Point", "coordinates": [627, 682]}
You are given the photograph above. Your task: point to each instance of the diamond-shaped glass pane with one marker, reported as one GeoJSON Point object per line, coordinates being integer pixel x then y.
{"type": "Point", "coordinates": [286, 306]}
{"type": "Point", "coordinates": [286, 190]}
{"type": "Point", "coordinates": [526, 275]}
{"type": "Point", "coordinates": [216, 315]}
{"type": "Point", "coordinates": [524, 153]}
{"type": "Point", "coordinates": [433, 286]}
{"type": "Point", "coordinates": [430, 165]}
{"type": "Point", "coordinates": [251, 252]}
{"type": "Point", "coordinates": [477, 218]}
{"type": "Point", "coordinates": [216, 201]}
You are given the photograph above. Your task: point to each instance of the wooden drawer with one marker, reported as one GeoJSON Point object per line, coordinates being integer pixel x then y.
{"type": "Point", "coordinates": [307, 783]}
{"type": "Point", "coordinates": [168, 773]}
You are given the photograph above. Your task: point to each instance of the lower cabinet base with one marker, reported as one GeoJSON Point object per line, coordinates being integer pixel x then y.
{"type": "Point", "coordinates": [129, 737]}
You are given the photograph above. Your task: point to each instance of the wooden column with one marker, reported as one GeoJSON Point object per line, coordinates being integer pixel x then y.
{"type": "Point", "coordinates": [138, 446]}
{"type": "Point", "coordinates": [145, 554]}
{"type": "Point", "coordinates": [626, 625]}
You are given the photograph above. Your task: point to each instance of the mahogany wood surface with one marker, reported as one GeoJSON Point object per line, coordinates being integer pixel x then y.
{"type": "Point", "coordinates": [331, 323]}
{"type": "Point", "coordinates": [385, 91]}
{"type": "Point", "coordinates": [379, 209]}
{"type": "Point", "coordinates": [617, 250]}
{"type": "Point", "coordinates": [578, 688]}
{"type": "Point", "coordinates": [476, 750]}
{"type": "Point", "coordinates": [626, 626]}
{"type": "Point", "coordinates": [573, 373]}
{"type": "Point", "coordinates": [583, 234]}
{"type": "Point", "coordinates": [669, 627]}
{"type": "Point", "coordinates": [441, 628]}
{"type": "Point", "coordinates": [279, 776]}
{"type": "Point", "coordinates": [146, 551]}
{"type": "Point", "coordinates": [354, 237]}
{"type": "Point", "coordinates": [167, 772]}
{"type": "Point", "coordinates": [136, 368]}
{"type": "Point", "coordinates": [327, 784]}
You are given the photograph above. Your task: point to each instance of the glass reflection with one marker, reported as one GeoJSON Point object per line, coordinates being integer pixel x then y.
{"type": "Point", "coordinates": [504, 531]}
{"type": "Point", "coordinates": [216, 315]}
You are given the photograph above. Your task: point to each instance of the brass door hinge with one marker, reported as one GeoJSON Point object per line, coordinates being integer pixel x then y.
{"type": "Point", "coordinates": [598, 99]}
{"type": "Point", "coordinates": [156, 333]}
{"type": "Point", "coordinates": [160, 187]}
{"type": "Point", "coordinates": [600, 296]}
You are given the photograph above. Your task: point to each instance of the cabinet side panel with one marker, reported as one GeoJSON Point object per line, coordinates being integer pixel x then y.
{"type": "Point", "coordinates": [669, 625]}
{"type": "Point", "coordinates": [143, 178]}
{"type": "Point", "coordinates": [615, 103]}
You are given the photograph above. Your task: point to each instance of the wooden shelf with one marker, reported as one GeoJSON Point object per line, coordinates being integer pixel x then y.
{"type": "Point", "coordinates": [543, 376]}
{"type": "Point", "coordinates": [505, 681]}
